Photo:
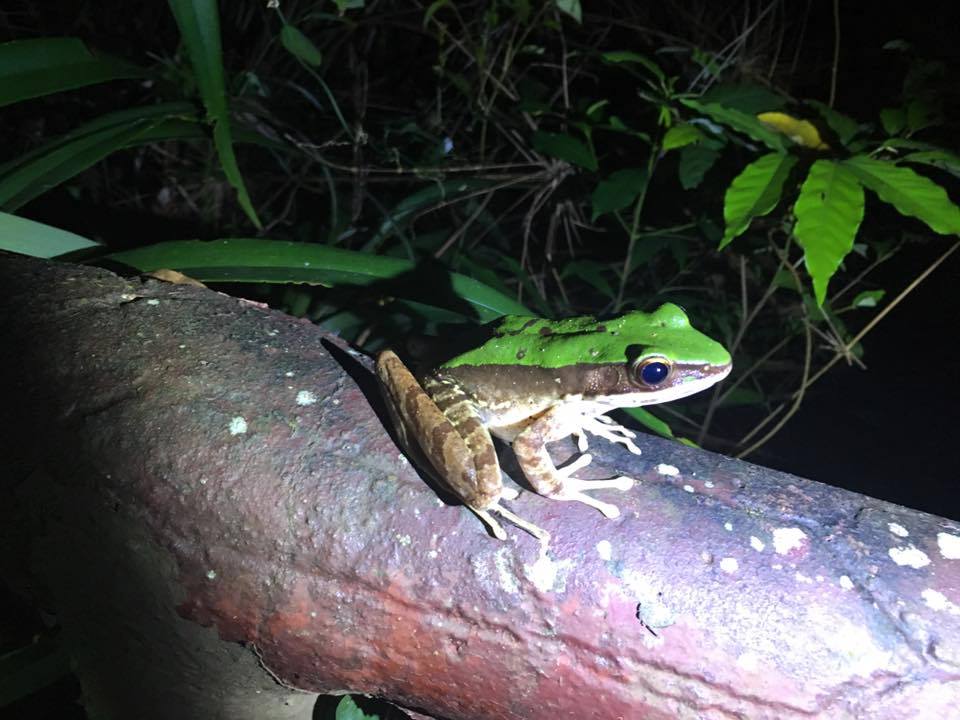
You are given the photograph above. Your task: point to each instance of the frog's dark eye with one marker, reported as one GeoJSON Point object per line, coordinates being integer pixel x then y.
{"type": "Point", "coordinates": [651, 371]}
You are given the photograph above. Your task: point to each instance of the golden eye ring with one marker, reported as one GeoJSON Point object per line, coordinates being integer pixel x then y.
{"type": "Point", "coordinates": [651, 371]}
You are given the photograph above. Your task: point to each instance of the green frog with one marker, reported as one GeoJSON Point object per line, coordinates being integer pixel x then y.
{"type": "Point", "coordinates": [535, 381]}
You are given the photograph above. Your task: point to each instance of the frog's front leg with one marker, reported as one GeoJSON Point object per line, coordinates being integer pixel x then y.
{"type": "Point", "coordinates": [441, 422]}
{"type": "Point", "coordinates": [530, 447]}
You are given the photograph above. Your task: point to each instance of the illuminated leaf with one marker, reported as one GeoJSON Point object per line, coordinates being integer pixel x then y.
{"type": "Point", "coordinates": [801, 132]}
{"type": "Point", "coordinates": [754, 192]}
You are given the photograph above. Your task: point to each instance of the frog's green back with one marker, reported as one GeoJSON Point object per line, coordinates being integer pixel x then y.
{"type": "Point", "coordinates": [520, 340]}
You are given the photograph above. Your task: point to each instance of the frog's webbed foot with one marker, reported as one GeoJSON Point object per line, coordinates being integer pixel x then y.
{"type": "Point", "coordinates": [497, 529]}
{"type": "Point", "coordinates": [576, 489]}
{"type": "Point", "coordinates": [607, 428]}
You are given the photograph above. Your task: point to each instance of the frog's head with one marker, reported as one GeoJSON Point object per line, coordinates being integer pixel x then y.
{"type": "Point", "coordinates": [656, 357]}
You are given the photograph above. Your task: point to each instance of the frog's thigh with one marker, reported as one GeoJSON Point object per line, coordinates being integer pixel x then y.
{"type": "Point", "coordinates": [530, 447]}
{"type": "Point", "coordinates": [438, 437]}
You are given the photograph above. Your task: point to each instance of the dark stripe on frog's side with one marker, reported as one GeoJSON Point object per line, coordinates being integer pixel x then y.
{"type": "Point", "coordinates": [460, 410]}
{"type": "Point", "coordinates": [502, 383]}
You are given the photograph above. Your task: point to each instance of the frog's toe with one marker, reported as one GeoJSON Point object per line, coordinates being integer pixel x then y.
{"type": "Point", "coordinates": [576, 489]}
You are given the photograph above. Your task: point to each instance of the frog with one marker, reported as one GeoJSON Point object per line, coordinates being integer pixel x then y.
{"type": "Point", "coordinates": [532, 381]}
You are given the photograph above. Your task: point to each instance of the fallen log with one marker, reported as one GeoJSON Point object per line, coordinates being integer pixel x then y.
{"type": "Point", "coordinates": [204, 492]}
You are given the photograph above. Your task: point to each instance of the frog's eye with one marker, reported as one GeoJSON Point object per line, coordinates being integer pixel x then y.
{"type": "Point", "coordinates": [651, 371]}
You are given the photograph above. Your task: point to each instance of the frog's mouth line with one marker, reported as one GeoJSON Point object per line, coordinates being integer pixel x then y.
{"type": "Point", "coordinates": [666, 393]}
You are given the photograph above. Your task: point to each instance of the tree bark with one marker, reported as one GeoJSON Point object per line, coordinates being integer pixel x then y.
{"type": "Point", "coordinates": [204, 492]}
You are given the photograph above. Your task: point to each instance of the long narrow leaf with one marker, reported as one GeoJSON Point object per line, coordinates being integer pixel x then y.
{"type": "Point", "coordinates": [27, 237]}
{"type": "Point", "coordinates": [754, 192]}
{"type": "Point", "coordinates": [829, 211]}
{"type": "Point", "coordinates": [41, 66]}
{"type": "Point", "coordinates": [910, 193]}
{"type": "Point", "coordinates": [28, 181]}
{"type": "Point", "coordinates": [199, 26]}
{"type": "Point", "coordinates": [272, 261]}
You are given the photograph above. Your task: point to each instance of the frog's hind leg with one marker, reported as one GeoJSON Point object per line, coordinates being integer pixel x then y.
{"type": "Point", "coordinates": [530, 447]}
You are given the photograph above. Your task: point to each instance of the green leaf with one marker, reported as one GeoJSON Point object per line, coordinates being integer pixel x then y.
{"type": "Point", "coordinates": [571, 8]}
{"type": "Point", "coordinates": [300, 46]}
{"type": "Point", "coordinates": [829, 211]}
{"type": "Point", "coordinates": [628, 56]}
{"type": "Point", "coordinates": [868, 298]}
{"type": "Point", "coordinates": [910, 193]}
{"type": "Point", "coordinates": [747, 98]}
{"type": "Point", "coordinates": [565, 147]}
{"type": "Point", "coordinates": [593, 273]}
{"type": "Point", "coordinates": [936, 158]}
{"type": "Point", "coordinates": [754, 192]}
{"type": "Point", "coordinates": [27, 237]}
{"type": "Point", "coordinates": [739, 121]}
{"type": "Point", "coordinates": [33, 68]}
{"type": "Point", "coordinates": [347, 710]}
{"type": "Point", "coordinates": [844, 126]}
{"type": "Point", "coordinates": [618, 191]}
{"type": "Point", "coordinates": [695, 161]}
{"type": "Point", "coordinates": [681, 135]}
{"type": "Point", "coordinates": [29, 180]}
{"type": "Point", "coordinates": [259, 260]}
{"type": "Point", "coordinates": [894, 120]}
{"type": "Point", "coordinates": [650, 421]}
{"type": "Point", "coordinates": [200, 28]}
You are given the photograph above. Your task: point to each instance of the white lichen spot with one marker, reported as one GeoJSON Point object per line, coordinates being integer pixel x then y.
{"type": "Point", "coordinates": [203, 481]}
{"type": "Point", "coordinates": [756, 543]}
{"type": "Point", "coordinates": [708, 483]}
{"type": "Point", "coordinates": [911, 556]}
{"type": "Point", "coordinates": [729, 565]}
{"type": "Point", "coordinates": [949, 545]}
{"type": "Point", "coordinates": [936, 600]}
{"type": "Point", "coordinates": [238, 426]}
{"type": "Point", "coordinates": [403, 539]}
{"type": "Point", "coordinates": [153, 301]}
{"type": "Point", "coordinates": [181, 346]}
{"type": "Point", "coordinates": [846, 583]}
{"type": "Point", "coordinates": [305, 397]}
{"type": "Point", "coordinates": [604, 550]}
{"type": "Point", "coordinates": [548, 575]}
{"type": "Point", "coordinates": [432, 554]}
{"type": "Point", "coordinates": [289, 373]}
{"type": "Point", "coordinates": [211, 574]}
{"type": "Point", "coordinates": [313, 613]}
{"type": "Point", "coordinates": [688, 488]}
{"type": "Point", "coordinates": [668, 470]}
{"type": "Point", "coordinates": [748, 661]}
{"type": "Point", "coordinates": [787, 539]}
{"type": "Point", "coordinates": [508, 580]}
{"type": "Point", "coordinates": [898, 530]}
{"type": "Point", "coordinates": [335, 401]}
{"type": "Point", "coordinates": [728, 526]}
{"type": "Point", "coordinates": [801, 578]}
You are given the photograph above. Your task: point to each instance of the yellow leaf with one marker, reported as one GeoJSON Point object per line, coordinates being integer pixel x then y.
{"type": "Point", "coordinates": [802, 132]}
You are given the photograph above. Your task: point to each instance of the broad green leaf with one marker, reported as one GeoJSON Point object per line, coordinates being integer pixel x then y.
{"type": "Point", "coordinates": [754, 192]}
{"type": "Point", "coordinates": [910, 193]}
{"type": "Point", "coordinates": [681, 135]}
{"type": "Point", "coordinates": [565, 147]}
{"type": "Point", "coordinates": [739, 121]}
{"type": "Point", "coordinates": [571, 8]}
{"type": "Point", "coordinates": [628, 56]}
{"type": "Point", "coordinates": [41, 66]}
{"type": "Point", "coordinates": [618, 191]}
{"type": "Point", "coordinates": [894, 120]}
{"type": "Point", "coordinates": [844, 126]}
{"type": "Point", "coordinates": [936, 158]}
{"type": "Point", "coordinates": [750, 99]}
{"type": "Point", "coordinates": [27, 237]}
{"type": "Point", "coordinates": [347, 710]}
{"type": "Point", "coordinates": [259, 260]}
{"type": "Point", "coordinates": [300, 46]}
{"type": "Point", "coordinates": [695, 161]}
{"type": "Point", "coordinates": [200, 28]}
{"type": "Point", "coordinates": [829, 211]}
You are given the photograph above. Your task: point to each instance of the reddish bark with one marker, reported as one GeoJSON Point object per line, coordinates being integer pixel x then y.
{"type": "Point", "coordinates": [219, 516]}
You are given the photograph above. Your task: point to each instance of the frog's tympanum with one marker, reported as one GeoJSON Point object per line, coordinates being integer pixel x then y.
{"type": "Point", "coordinates": [536, 381]}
